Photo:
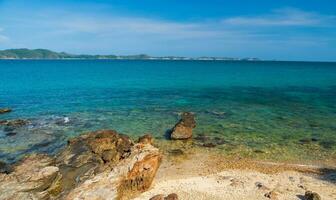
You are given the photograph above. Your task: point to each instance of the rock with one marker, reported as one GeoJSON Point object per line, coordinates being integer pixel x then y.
{"type": "Point", "coordinates": [202, 138]}
{"type": "Point", "coordinates": [91, 153]}
{"type": "Point", "coordinates": [97, 165]}
{"type": "Point", "coordinates": [5, 168]}
{"type": "Point", "coordinates": [146, 139]}
{"type": "Point", "coordinates": [272, 195]}
{"type": "Point", "coordinates": [261, 186]}
{"type": "Point", "coordinates": [171, 196]}
{"type": "Point", "coordinates": [157, 197]}
{"type": "Point", "coordinates": [31, 178]}
{"type": "Point", "coordinates": [302, 186]}
{"type": "Point", "coordinates": [110, 156]}
{"type": "Point", "coordinates": [309, 195]}
{"type": "Point", "coordinates": [10, 134]}
{"type": "Point", "coordinates": [209, 145]}
{"type": "Point", "coordinates": [131, 175]}
{"type": "Point", "coordinates": [183, 128]}
{"type": "Point", "coordinates": [235, 182]}
{"type": "Point", "coordinates": [220, 141]}
{"type": "Point", "coordinates": [176, 152]}
{"type": "Point", "coordinates": [107, 165]}
{"type": "Point", "coordinates": [13, 123]}
{"type": "Point", "coordinates": [258, 151]}
{"type": "Point", "coordinates": [5, 110]}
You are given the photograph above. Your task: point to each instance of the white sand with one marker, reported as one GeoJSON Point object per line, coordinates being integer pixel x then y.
{"type": "Point", "coordinates": [239, 184]}
{"type": "Point", "coordinates": [193, 179]}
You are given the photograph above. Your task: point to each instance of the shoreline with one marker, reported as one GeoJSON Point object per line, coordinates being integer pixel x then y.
{"type": "Point", "coordinates": [105, 164]}
{"type": "Point", "coordinates": [195, 173]}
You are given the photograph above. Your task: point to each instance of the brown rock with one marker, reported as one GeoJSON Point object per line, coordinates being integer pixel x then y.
{"type": "Point", "coordinates": [309, 195]}
{"type": "Point", "coordinates": [130, 176]}
{"type": "Point", "coordinates": [183, 128]}
{"type": "Point", "coordinates": [5, 110]}
{"type": "Point", "coordinates": [97, 165]}
{"type": "Point", "coordinates": [31, 178]}
{"type": "Point", "coordinates": [157, 197]}
{"type": "Point", "coordinates": [171, 196]}
{"type": "Point", "coordinates": [90, 154]}
{"type": "Point", "coordinates": [146, 139]}
{"type": "Point", "coordinates": [110, 156]}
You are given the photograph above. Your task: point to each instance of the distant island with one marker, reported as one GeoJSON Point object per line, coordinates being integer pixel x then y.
{"type": "Point", "coordinates": [48, 54]}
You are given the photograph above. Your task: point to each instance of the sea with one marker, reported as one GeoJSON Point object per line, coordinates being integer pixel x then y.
{"type": "Point", "coordinates": [271, 110]}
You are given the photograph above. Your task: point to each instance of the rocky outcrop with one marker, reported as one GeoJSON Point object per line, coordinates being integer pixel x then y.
{"type": "Point", "coordinates": [97, 165]}
{"type": "Point", "coordinates": [5, 110]}
{"type": "Point", "coordinates": [131, 175]}
{"type": "Point", "coordinates": [34, 177]}
{"type": "Point", "coordinates": [183, 128]}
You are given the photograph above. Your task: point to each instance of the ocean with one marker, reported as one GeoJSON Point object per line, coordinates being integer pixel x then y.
{"type": "Point", "coordinates": [267, 110]}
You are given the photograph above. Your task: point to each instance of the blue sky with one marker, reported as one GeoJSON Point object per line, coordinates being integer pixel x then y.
{"type": "Point", "coordinates": [284, 30]}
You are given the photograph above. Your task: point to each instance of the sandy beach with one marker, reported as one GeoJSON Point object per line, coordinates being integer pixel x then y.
{"type": "Point", "coordinates": [203, 176]}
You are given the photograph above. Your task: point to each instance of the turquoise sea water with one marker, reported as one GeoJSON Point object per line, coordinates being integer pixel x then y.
{"type": "Point", "coordinates": [279, 110]}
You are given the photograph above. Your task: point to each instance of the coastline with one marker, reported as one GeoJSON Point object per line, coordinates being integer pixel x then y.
{"type": "Point", "coordinates": [175, 166]}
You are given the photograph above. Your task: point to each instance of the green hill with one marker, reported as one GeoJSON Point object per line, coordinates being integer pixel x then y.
{"type": "Point", "coordinates": [46, 54]}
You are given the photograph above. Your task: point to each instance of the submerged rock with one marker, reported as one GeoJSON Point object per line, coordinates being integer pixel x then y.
{"type": "Point", "coordinates": [9, 134]}
{"type": "Point", "coordinates": [13, 123]}
{"type": "Point", "coordinates": [62, 121]}
{"type": "Point", "coordinates": [183, 128]}
{"type": "Point", "coordinates": [176, 152]}
{"type": "Point", "coordinates": [309, 195]}
{"type": "Point", "coordinates": [5, 110]}
{"type": "Point", "coordinates": [209, 145]}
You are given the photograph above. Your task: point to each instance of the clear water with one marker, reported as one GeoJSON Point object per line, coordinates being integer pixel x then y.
{"type": "Point", "coordinates": [270, 110]}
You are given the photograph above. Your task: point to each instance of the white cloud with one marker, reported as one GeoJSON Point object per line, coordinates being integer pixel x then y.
{"type": "Point", "coordinates": [137, 26]}
{"type": "Point", "coordinates": [105, 33]}
{"type": "Point", "coordinates": [284, 17]}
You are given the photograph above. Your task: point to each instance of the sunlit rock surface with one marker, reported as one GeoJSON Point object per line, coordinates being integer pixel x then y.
{"type": "Point", "coordinates": [97, 165]}
{"type": "Point", "coordinates": [183, 128]}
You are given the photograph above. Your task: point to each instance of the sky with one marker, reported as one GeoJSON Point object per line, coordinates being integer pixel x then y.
{"type": "Point", "coordinates": [281, 30]}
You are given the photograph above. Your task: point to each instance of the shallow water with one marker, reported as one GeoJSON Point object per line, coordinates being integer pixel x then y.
{"type": "Point", "coordinates": [269, 110]}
